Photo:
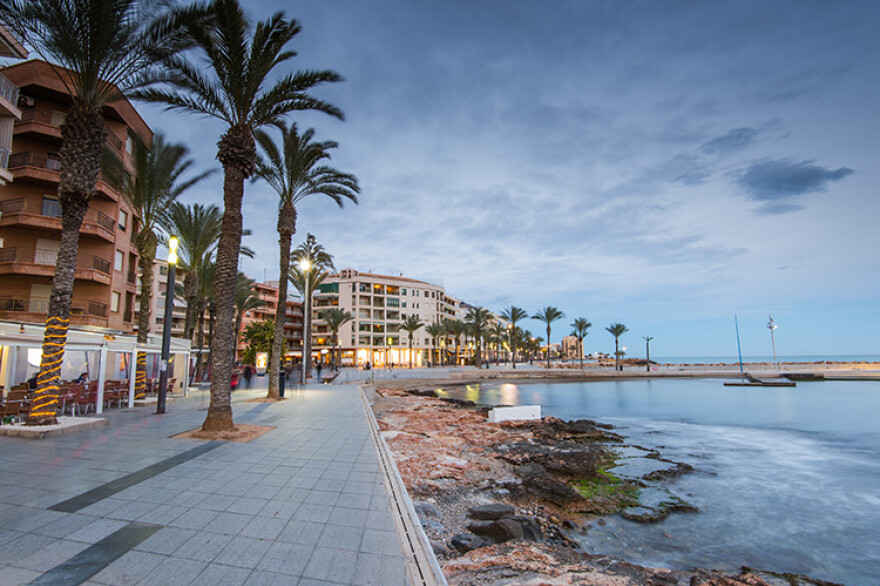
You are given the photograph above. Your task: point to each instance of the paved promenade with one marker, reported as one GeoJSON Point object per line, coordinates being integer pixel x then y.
{"type": "Point", "coordinates": [304, 504]}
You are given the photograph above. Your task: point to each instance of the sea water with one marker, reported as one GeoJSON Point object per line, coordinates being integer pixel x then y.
{"type": "Point", "coordinates": [786, 479]}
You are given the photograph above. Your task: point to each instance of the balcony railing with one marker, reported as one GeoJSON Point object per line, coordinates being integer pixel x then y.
{"type": "Point", "coordinates": [106, 222]}
{"type": "Point", "coordinates": [8, 254]}
{"type": "Point", "coordinates": [8, 90]}
{"type": "Point", "coordinates": [45, 257]}
{"type": "Point", "coordinates": [98, 309]}
{"type": "Point", "coordinates": [50, 208]}
{"type": "Point", "coordinates": [132, 277]}
{"type": "Point", "coordinates": [102, 265]}
{"type": "Point", "coordinates": [33, 305]}
{"type": "Point", "coordinates": [34, 160]}
{"type": "Point", "coordinates": [4, 158]}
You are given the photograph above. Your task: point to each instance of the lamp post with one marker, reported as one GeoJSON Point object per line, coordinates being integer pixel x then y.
{"type": "Point", "coordinates": [510, 344]}
{"type": "Point", "coordinates": [166, 326]}
{"type": "Point", "coordinates": [771, 325]}
{"type": "Point", "coordinates": [648, 352]}
{"type": "Point", "coordinates": [306, 267]}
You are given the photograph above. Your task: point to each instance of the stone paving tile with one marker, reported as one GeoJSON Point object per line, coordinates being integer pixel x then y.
{"type": "Point", "coordinates": [286, 558]}
{"type": "Point", "coordinates": [174, 572]}
{"type": "Point", "coordinates": [244, 552]}
{"type": "Point", "coordinates": [334, 565]}
{"type": "Point", "coordinates": [263, 578]}
{"type": "Point", "coordinates": [166, 540]}
{"type": "Point", "coordinates": [50, 556]}
{"type": "Point", "coordinates": [203, 546]}
{"type": "Point", "coordinates": [129, 568]}
{"type": "Point", "coordinates": [303, 532]}
{"type": "Point", "coordinates": [339, 537]}
{"type": "Point", "coordinates": [10, 576]}
{"type": "Point", "coordinates": [23, 546]}
{"type": "Point", "coordinates": [97, 530]}
{"type": "Point", "coordinates": [263, 528]}
{"type": "Point", "coordinates": [217, 575]}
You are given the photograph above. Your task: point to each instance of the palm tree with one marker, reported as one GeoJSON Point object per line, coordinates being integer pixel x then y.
{"type": "Point", "coordinates": [456, 328]}
{"type": "Point", "coordinates": [335, 318]}
{"type": "Point", "coordinates": [320, 265]}
{"type": "Point", "coordinates": [548, 315]}
{"type": "Point", "coordinates": [616, 330]}
{"type": "Point", "coordinates": [245, 300]}
{"type": "Point", "coordinates": [235, 84]}
{"type": "Point", "coordinates": [435, 330]}
{"type": "Point", "coordinates": [155, 185]}
{"type": "Point", "coordinates": [499, 334]}
{"type": "Point", "coordinates": [295, 173]}
{"type": "Point", "coordinates": [580, 328]}
{"type": "Point", "coordinates": [479, 319]}
{"type": "Point", "coordinates": [411, 324]}
{"type": "Point", "coordinates": [197, 228]}
{"type": "Point", "coordinates": [513, 314]}
{"type": "Point", "coordinates": [101, 48]}
{"type": "Point", "coordinates": [205, 300]}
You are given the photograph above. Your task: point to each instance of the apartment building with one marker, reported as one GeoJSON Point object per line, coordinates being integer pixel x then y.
{"type": "Point", "coordinates": [293, 325]}
{"type": "Point", "coordinates": [10, 48]}
{"type": "Point", "coordinates": [106, 275]}
{"type": "Point", "coordinates": [157, 301]}
{"type": "Point", "coordinates": [379, 305]}
{"type": "Point", "coordinates": [570, 347]}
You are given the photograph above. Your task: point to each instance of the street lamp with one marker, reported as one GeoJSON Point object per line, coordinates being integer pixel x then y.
{"type": "Point", "coordinates": [648, 352]}
{"type": "Point", "coordinates": [306, 267]}
{"type": "Point", "coordinates": [510, 344]}
{"type": "Point", "coordinates": [166, 326]}
{"type": "Point", "coordinates": [771, 325]}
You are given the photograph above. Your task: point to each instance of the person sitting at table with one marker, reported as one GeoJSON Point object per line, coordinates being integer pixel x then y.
{"type": "Point", "coordinates": [82, 378]}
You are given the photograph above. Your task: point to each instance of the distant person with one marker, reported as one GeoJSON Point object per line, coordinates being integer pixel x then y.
{"type": "Point", "coordinates": [234, 380]}
{"type": "Point", "coordinates": [82, 378]}
{"type": "Point", "coordinates": [318, 369]}
{"type": "Point", "coordinates": [367, 365]}
{"type": "Point", "coordinates": [248, 373]}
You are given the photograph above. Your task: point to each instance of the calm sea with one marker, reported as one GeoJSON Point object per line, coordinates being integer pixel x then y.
{"type": "Point", "coordinates": [788, 479]}
{"type": "Point", "coordinates": [735, 360]}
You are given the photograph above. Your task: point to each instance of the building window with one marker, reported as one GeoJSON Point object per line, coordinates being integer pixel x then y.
{"type": "Point", "coordinates": [163, 270]}
{"type": "Point", "coordinates": [403, 304]}
{"type": "Point", "coordinates": [51, 208]}
{"type": "Point", "coordinates": [129, 143]}
{"type": "Point", "coordinates": [114, 302]}
{"type": "Point", "coordinates": [403, 291]}
{"type": "Point", "coordinates": [123, 219]}
{"type": "Point", "coordinates": [58, 117]}
{"type": "Point", "coordinates": [120, 258]}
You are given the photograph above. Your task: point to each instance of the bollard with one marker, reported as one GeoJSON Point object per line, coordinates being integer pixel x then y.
{"type": "Point", "coordinates": [281, 378]}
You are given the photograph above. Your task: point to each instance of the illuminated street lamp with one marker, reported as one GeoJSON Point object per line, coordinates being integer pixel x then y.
{"type": "Point", "coordinates": [771, 325]}
{"type": "Point", "coordinates": [305, 266]}
{"type": "Point", "coordinates": [166, 326]}
{"type": "Point", "coordinates": [510, 344]}
{"type": "Point", "coordinates": [648, 352]}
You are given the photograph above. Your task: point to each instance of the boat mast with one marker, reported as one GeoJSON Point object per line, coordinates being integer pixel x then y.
{"type": "Point", "coordinates": [738, 347]}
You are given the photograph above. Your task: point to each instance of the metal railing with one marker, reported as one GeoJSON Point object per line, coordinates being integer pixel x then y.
{"type": "Point", "coordinates": [97, 309]}
{"type": "Point", "coordinates": [8, 90]}
{"type": "Point", "coordinates": [38, 304]}
{"type": "Point", "coordinates": [45, 257]}
{"type": "Point", "coordinates": [106, 222]}
{"type": "Point", "coordinates": [101, 265]}
{"type": "Point", "coordinates": [4, 157]}
{"type": "Point", "coordinates": [8, 254]}
{"type": "Point", "coordinates": [34, 160]}
{"type": "Point", "coordinates": [13, 304]}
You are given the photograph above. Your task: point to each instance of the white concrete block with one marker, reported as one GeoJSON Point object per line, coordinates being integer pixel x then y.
{"type": "Point", "coordinates": [499, 414]}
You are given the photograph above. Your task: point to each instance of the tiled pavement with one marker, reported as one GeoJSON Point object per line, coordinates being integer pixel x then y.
{"type": "Point", "coordinates": [303, 504]}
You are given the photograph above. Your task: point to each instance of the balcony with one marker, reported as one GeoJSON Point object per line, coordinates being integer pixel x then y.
{"type": "Point", "coordinates": [45, 169]}
{"type": "Point", "coordinates": [41, 263]}
{"type": "Point", "coordinates": [34, 310]}
{"type": "Point", "coordinates": [46, 214]}
{"type": "Point", "coordinates": [8, 98]}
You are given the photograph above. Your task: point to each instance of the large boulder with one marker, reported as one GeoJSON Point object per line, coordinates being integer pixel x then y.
{"type": "Point", "coordinates": [497, 531]}
{"type": "Point", "coordinates": [465, 542]}
{"type": "Point", "coordinates": [490, 512]}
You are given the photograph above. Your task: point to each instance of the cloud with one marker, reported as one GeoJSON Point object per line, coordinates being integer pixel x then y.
{"type": "Point", "coordinates": [779, 184]}
{"type": "Point", "coordinates": [734, 140]}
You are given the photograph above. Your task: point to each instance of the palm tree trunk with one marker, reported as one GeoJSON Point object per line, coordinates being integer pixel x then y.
{"type": "Point", "coordinates": [286, 229]}
{"type": "Point", "coordinates": [237, 153]}
{"type": "Point", "coordinates": [200, 368]}
{"type": "Point", "coordinates": [190, 293]}
{"type": "Point", "coordinates": [146, 245]}
{"type": "Point", "coordinates": [616, 354]}
{"type": "Point", "coordinates": [478, 355]}
{"type": "Point", "coordinates": [581, 352]}
{"type": "Point", "coordinates": [83, 134]}
{"type": "Point", "coordinates": [548, 347]}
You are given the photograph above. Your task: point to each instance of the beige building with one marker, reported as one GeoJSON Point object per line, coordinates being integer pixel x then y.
{"type": "Point", "coordinates": [570, 347]}
{"type": "Point", "coordinates": [293, 324]}
{"type": "Point", "coordinates": [379, 305]}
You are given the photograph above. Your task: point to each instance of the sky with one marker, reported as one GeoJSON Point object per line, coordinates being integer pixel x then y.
{"type": "Point", "coordinates": [662, 164]}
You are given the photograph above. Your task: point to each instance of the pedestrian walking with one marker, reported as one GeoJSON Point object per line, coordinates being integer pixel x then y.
{"type": "Point", "coordinates": [318, 368]}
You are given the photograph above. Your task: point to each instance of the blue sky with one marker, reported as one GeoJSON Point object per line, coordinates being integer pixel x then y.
{"type": "Point", "coordinates": [660, 164]}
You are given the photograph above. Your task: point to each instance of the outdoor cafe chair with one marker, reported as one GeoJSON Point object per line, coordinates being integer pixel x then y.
{"type": "Point", "coordinates": [15, 406]}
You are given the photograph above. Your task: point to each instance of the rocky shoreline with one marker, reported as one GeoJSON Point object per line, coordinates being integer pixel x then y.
{"type": "Point", "coordinates": [498, 501]}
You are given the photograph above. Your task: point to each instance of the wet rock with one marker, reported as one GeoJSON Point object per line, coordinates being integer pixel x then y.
{"type": "Point", "coordinates": [465, 542]}
{"type": "Point", "coordinates": [440, 549]}
{"type": "Point", "coordinates": [531, 531]}
{"type": "Point", "coordinates": [490, 512]}
{"type": "Point", "coordinates": [433, 525]}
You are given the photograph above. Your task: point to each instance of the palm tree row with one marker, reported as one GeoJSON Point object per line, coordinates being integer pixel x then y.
{"type": "Point", "coordinates": [137, 47]}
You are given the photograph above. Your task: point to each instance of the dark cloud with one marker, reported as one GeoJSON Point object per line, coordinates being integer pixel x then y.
{"type": "Point", "coordinates": [779, 184]}
{"type": "Point", "coordinates": [736, 139]}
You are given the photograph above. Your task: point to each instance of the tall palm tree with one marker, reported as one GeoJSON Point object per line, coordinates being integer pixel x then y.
{"type": "Point", "coordinates": [320, 265]}
{"type": "Point", "coordinates": [101, 48]}
{"type": "Point", "coordinates": [235, 84]}
{"type": "Point", "coordinates": [479, 318]}
{"type": "Point", "coordinates": [580, 328]}
{"type": "Point", "coordinates": [411, 324]}
{"type": "Point", "coordinates": [335, 318]}
{"type": "Point", "coordinates": [246, 299]}
{"type": "Point", "coordinates": [205, 300]}
{"type": "Point", "coordinates": [499, 333]}
{"type": "Point", "coordinates": [548, 315]}
{"type": "Point", "coordinates": [295, 172]}
{"type": "Point", "coordinates": [456, 329]}
{"type": "Point", "coordinates": [156, 184]}
{"type": "Point", "coordinates": [435, 330]}
{"type": "Point", "coordinates": [616, 330]}
{"type": "Point", "coordinates": [512, 315]}
{"type": "Point", "coordinates": [197, 228]}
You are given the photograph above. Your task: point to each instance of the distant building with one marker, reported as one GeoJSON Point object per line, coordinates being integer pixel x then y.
{"type": "Point", "coordinates": [379, 305]}
{"type": "Point", "coordinates": [11, 48]}
{"type": "Point", "coordinates": [570, 347]}
{"type": "Point", "coordinates": [105, 280]}
{"type": "Point", "coordinates": [293, 325]}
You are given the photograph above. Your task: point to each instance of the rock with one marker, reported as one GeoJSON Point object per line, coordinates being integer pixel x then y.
{"type": "Point", "coordinates": [490, 512]}
{"type": "Point", "coordinates": [531, 531]}
{"type": "Point", "coordinates": [433, 525]}
{"type": "Point", "coordinates": [440, 549]}
{"type": "Point", "coordinates": [426, 510]}
{"type": "Point", "coordinates": [497, 531]}
{"type": "Point", "coordinates": [465, 542]}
